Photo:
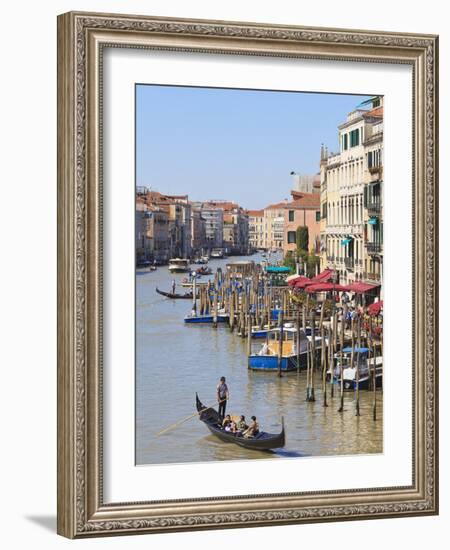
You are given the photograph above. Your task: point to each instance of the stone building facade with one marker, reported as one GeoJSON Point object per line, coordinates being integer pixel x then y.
{"type": "Point", "coordinates": [351, 199]}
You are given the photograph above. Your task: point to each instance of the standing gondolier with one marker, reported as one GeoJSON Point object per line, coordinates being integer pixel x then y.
{"type": "Point", "coordinates": [222, 396]}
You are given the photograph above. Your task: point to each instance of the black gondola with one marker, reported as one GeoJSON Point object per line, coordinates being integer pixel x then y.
{"type": "Point", "coordinates": [262, 442]}
{"type": "Point", "coordinates": [185, 296]}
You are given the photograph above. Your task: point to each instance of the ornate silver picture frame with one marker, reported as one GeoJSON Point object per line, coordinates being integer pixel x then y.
{"type": "Point", "coordinates": [82, 39]}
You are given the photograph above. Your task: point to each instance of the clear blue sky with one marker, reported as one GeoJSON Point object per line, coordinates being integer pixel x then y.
{"type": "Point", "coordinates": [239, 145]}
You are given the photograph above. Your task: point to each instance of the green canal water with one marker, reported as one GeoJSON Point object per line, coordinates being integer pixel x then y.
{"type": "Point", "coordinates": [174, 360]}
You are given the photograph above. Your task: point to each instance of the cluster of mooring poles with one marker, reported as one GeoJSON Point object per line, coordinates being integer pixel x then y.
{"type": "Point", "coordinates": [244, 297]}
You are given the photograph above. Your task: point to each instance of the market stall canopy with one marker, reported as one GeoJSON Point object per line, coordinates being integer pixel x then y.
{"type": "Point", "coordinates": [324, 277]}
{"type": "Point", "coordinates": [299, 281]}
{"type": "Point", "coordinates": [325, 287]}
{"type": "Point", "coordinates": [277, 269]}
{"type": "Point", "coordinates": [361, 288]}
{"type": "Point", "coordinates": [375, 308]}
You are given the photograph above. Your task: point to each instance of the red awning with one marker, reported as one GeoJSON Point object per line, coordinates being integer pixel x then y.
{"type": "Point", "coordinates": [375, 308]}
{"type": "Point", "coordinates": [323, 277]}
{"type": "Point", "coordinates": [361, 288]}
{"type": "Point", "coordinates": [299, 282]}
{"type": "Point", "coordinates": [325, 287]}
{"type": "Point", "coordinates": [303, 283]}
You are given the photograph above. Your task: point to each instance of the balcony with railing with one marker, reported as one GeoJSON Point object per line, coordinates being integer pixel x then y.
{"type": "Point", "coordinates": [345, 229]}
{"type": "Point", "coordinates": [373, 205]}
{"type": "Point", "coordinates": [371, 277]}
{"type": "Point", "coordinates": [374, 248]}
{"type": "Point", "coordinates": [349, 263]}
{"type": "Point", "coordinates": [376, 169]}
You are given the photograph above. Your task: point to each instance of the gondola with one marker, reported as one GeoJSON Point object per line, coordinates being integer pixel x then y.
{"type": "Point", "coordinates": [262, 442]}
{"type": "Point", "coordinates": [204, 271]}
{"type": "Point", "coordinates": [185, 296]}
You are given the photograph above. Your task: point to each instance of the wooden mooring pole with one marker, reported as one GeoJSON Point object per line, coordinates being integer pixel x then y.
{"type": "Point", "coordinates": [297, 338]}
{"type": "Point", "coordinates": [324, 365]}
{"type": "Point", "coordinates": [341, 357]}
{"type": "Point", "coordinates": [358, 357]}
{"type": "Point", "coordinates": [280, 343]}
{"type": "Point", "coordinates": [249, 335]}
{"type": "Point", "coordinates": [313, 355]}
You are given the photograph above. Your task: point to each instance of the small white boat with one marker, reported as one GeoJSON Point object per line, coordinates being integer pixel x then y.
{"type": "Point", "coordinates": [365, 369]}
{"type": "Point", "coordinates": [217, 253]}
{"type": "Point", "coordinates": [178, 265]}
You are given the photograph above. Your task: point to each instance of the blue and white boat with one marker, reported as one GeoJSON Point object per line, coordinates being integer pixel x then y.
{"type": "Point", "coordinates": [267, 357]}
{"type": "Point", "coordinates": [361, 362]}
{"type": "Point", "coordinates": [258, 332]}
{"type": "Point", "coordinates": [209, 318]}
{"type": "Point", "coordinates": [194, 318]}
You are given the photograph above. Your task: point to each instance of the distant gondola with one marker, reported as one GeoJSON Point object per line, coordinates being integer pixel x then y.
{"type": "Point", "coordinates": [204, 271]}
{"type": "Point", "coordinates": [185, 296]}
{"type": "Point", "coordinates": [262, 442]}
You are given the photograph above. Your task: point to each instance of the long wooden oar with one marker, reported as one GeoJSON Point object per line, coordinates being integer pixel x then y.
{"type": "Point", "coordinates": [176, 424]}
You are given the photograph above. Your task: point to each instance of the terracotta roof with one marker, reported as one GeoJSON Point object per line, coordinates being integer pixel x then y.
{"type": "Point", "coordinates": [256, 213]}
{"type": "Point", "coordinates": [304, 200]}
{"type": "Point", "coordinates": [377, 112]}
{"type": "Point", "coordinates": [223, 205]}
{"type": "Point", "coordinates": [159, 198]}
{"type": "Point", "coordinates": [155, 208]}
{"type": "Point", "coordinates": [276, 206]}
{"type": "Point", "coordinates": [210, 206]}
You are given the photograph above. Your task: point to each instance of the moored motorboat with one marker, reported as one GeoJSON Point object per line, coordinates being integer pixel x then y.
{"type": "Point", "coordinates": [217, 253]}
{"type": "Point", "coordinates": [209, 318]}
{"type": "Point", "coordinates": [258, 332]}
{"type": "Point", "coordinates": [269, 357]}
{"type": "Point", "coordinates": [146, 264]}
{"type": "Point", "coordinates": [263, 441]}
{"type": "Point", "coordinates": [360, 375]}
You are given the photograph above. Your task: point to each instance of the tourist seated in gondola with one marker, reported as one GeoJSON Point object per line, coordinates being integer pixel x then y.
{"type": "Point", "coordinates": [253, 428]}
{"type": "Point", "coordinates": [241, 426]}
{"type": "Point", "coordinates": [226, 424]}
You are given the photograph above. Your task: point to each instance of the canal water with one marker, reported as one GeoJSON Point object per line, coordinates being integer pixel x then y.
{"type": "Point", "coordinates": [175, 360]}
